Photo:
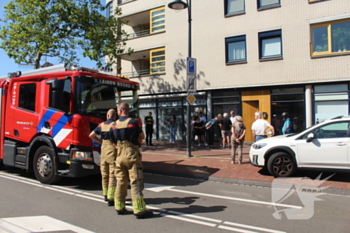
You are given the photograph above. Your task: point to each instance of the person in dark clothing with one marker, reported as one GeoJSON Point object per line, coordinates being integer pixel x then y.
{"type": "Point", "coordinates": [225, 126]}
{"type": "Point", "coordinates": [126, 134]}
{"type": "Point", "coordinates": [149, 128]}
{"type": "Point", "coordinates": [108, 155]}
{"type": "Point", "coordinates": [199, 128]}
{"type": "Point", "coordinates": [210, 127]}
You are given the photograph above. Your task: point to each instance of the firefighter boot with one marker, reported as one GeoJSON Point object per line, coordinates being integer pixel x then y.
{"type": "Point", "coordinates": [146, 214]}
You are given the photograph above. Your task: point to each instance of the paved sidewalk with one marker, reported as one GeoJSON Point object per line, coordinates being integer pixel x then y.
{"type": "Point", "coordinates": [215, 164]}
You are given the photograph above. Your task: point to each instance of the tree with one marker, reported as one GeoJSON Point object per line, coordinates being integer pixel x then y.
{"type": "Point", "coordinates": [59, 28]}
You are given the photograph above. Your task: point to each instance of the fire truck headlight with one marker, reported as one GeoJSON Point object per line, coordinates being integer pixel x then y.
{"type": "Point", "coordinates": [82, 155]}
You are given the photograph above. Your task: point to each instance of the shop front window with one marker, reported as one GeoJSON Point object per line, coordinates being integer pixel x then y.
{"type": "Point", "coordinates": [290, 100]}
{"type": "Point", "coordinates": [331, 101]}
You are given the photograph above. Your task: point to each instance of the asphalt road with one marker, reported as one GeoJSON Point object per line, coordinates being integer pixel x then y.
{"type": "Point", "coordinates": [180, 205]}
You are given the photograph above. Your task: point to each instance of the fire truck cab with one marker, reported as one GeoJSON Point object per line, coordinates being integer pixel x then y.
{"type": "Point", "coordinates": [47, 115]}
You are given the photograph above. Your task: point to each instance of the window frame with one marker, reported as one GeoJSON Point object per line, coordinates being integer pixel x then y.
{"type": "Point", "coordinates": [235, 12]}
{"type": "Point", "coordinates": [109, 9]}
{"type": "Point", "coordinates": [152, 62]}
{"type": "Point", "coordinates": [152, 28]}
{"type": "Point", "coordinates": [260, 7]}
{"type": "Point", "coordinates": [270, 35]}
{"type": "Point", "coordinates": [32, 87]}
{"type": "Point", "coordinates": [235, 39]}
{"type": "Point", "coordinates": [329, 38]}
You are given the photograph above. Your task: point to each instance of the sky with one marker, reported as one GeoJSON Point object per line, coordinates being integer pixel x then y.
{"type": "Point", "coordinates": [8, 65]}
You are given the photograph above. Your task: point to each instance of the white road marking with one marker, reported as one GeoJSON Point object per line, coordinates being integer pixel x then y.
{"type": "Point", "coordinates": [237, 199]}
{"type": "Point", "coordinates": [236, 229]}
{"type": "Point", "coordinates": [188, 220]}
{"type": "Point", "coordinates": [156, 187]}
{"type": "Point", "coordinates": [163, 212]}
{"type": "Point", "coordinates": [37, 224]}
{"type": "Point", "coordinates": [251, 227]}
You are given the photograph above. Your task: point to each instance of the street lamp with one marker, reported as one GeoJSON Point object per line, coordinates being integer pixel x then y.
{"type": "Point", "coordinates": [180, 5]}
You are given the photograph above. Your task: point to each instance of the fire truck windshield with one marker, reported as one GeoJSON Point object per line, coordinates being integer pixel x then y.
{"type": "Point", "coordinates": [94, 97]}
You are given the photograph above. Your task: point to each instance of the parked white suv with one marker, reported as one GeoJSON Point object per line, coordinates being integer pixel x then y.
{"type": "Point", "coordinates": [324, 146]}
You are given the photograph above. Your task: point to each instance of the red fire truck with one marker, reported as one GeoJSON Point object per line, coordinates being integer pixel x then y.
{"type": "Point", "coordinates": [47, 115]}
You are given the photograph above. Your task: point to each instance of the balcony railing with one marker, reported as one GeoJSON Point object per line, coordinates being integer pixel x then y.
{"type": "Point", "coordinates": [138, 34]}
{"type": "Point", "coordinates": [137, 73]}
{"type": "Point", "coordinates": [121, 2]}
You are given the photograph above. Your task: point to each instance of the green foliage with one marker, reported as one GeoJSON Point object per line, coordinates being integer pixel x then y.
{"type": "Point", "coordinates": [31, 29]}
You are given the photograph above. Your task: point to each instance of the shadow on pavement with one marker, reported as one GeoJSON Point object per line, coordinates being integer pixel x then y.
{"type": "Point", "coordinates": [173, 168]}
{"type": "Point", "coordinates": [175, 200]}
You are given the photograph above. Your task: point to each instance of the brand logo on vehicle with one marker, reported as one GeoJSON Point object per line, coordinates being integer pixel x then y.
{"type": "Point", "coordinates": [304, 190]}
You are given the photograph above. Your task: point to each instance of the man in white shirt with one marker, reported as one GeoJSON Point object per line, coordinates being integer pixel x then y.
{"type": "Point", "coordinates": [233, 117]}
{"type": "Point", "coordinates": [259, 127]}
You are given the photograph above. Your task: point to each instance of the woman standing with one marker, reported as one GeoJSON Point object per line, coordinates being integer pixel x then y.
{"type": "Point", "coordinates": [173, 128]}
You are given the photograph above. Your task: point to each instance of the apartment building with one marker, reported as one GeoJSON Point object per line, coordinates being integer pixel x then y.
{"type": "Point", "coordinates": [252, 55]}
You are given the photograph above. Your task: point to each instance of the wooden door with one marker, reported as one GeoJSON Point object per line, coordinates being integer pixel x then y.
{"type": "Point", "coordinates": [253, 101]}
{"type": "Point", "coordinates": [249, 108]}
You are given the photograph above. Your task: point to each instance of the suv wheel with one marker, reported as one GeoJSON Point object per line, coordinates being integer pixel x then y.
{"type": "Point", "coordinates": [281, 164]}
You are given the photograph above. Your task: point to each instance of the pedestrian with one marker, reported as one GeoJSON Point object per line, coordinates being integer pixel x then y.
{"type": "Point", "coordinates": [149, 128]}
{"type": "Point", "coordinates": [259, 126]}
{"type": "Point", "coordinates": [226, 131]}
{"type": "Point", "coordinates": [210, 127]}
{"type": "Point", "coordinates": [108, 155]}
{"type": "Point", "coordinates": [199, 128]}
{"type": "Point", "coordinates": [218, 129]}
{"type": "Point", "coordinates": [173, 127]}
{"type": "Point", "coordinates": [233, 117]}
{"type": "Point", "coordinates": [192, 128]}
{"type": "Point", "coordinates": [202, 117]}
{"type": "Point", "coordinates": [126, 133]}
{"type": "Point", "coordinates": [238, 133]}
{"type": "Point", "coordinates": [287, 125]}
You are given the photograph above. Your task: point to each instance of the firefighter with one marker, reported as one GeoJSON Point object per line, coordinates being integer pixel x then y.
{"type": "Point", "coordinates": [126, 133]}
{"type": "Point", "coordinates": [108, 155]}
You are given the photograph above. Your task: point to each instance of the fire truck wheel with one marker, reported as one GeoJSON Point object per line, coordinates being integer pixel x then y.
{"type": "Point", "coordinates": [44, 168]}
{"type": "Point", "coordinates": [1, 164]}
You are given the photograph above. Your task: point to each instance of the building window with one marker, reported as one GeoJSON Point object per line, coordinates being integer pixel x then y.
{"type": "Point", "coordinates": [330, 38]}
{"type": "Point", "coordinates": [268, 3]}
{"type": "Point", "coordinates": [109, 9]}
{"type": "Point", "coordinates": [157, 61]}
{"type": "Point", "coordinates": [157, 20]}
{"type": "Point", "coordinates": [233, 7]}
{"type": "Point", "coordinates": [236, 49]}
{"type": "Point", "coordinates": [331, 101]}
{"type": "Point", "coordinates": [270, 44]}
{"type": "Point", "coordinates": [27, 96]}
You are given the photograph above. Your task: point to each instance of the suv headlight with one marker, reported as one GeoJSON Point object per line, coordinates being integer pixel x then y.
{"type": "Point", "coordinates": [258, 146]}
{"type": "Point", "coordinates": [82, 155]}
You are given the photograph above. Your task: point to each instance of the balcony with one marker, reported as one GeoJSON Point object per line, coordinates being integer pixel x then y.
{"type": "Point", "coordinates": [138, 34]}
{"type": "Point", "coordinates": [137, 73]}
{"type": "Point", "coordinates": [145, 23]}
{"type": "Point", "coordinates": [121, 2]}
{"type": "Point", "coordinates": [144, 63]}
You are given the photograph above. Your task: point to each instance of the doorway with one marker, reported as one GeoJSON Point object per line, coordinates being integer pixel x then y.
{"type": "Point", "coordinates": [249, 108]}
{"type": "Point", "coordinates": [253, 101]}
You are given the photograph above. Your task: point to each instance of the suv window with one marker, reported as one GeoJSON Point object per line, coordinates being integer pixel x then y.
{"type": "Point", "coordinates": [331, 130]}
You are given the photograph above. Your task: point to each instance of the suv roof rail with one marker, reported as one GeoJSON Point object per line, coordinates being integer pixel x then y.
{"type": "Point", "coordinates": [338, 117]}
